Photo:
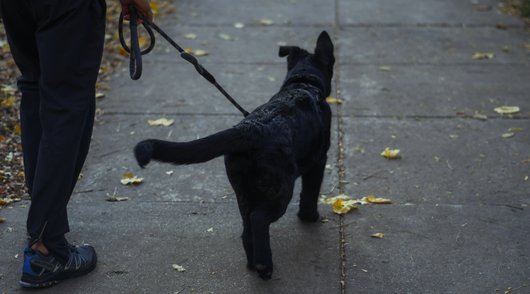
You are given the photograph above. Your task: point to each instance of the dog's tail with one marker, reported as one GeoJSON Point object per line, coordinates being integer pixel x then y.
{"type": "Point", "coordinates": [224, 142]}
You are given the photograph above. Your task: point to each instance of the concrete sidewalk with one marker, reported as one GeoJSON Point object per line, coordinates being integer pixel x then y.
{"type": "Point", "coordinates": [459, 219]}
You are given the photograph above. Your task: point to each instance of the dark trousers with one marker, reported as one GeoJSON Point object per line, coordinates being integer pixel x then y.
{"type": "Point", "coordinates": [57, 45]}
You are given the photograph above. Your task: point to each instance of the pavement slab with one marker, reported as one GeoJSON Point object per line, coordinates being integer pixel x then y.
{"type": "Point", "coordinates": [407, 79]}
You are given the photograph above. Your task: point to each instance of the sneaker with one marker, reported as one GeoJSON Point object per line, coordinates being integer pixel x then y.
{"type": "Point", "coordinates": [41, 271]}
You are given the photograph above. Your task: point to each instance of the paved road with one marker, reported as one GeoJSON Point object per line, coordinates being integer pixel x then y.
{"type": "Point", "coordinates": [459, 219]}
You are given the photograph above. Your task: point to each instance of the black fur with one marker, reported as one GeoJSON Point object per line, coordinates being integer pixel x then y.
{"type": "Point", "coordinates": [279, 141]}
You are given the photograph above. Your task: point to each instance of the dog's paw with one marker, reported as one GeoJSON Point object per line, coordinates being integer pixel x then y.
{"type": "Point", "coordinates": [264, 271]}
{"type": "Point", "coordinates": [143, 152]}
{"type": "Point", "coordinates": [307, 216]}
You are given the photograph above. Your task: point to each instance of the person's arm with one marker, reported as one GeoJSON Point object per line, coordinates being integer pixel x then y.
{"type": "Point", "coordinates": [142, 6]}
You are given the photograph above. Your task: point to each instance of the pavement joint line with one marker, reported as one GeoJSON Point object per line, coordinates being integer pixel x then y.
{"type": "Point", "coordinates": [340, 154]}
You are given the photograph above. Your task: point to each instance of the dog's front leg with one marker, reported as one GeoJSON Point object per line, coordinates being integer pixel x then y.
{"type": "Point", "coordinates": [260, 221]}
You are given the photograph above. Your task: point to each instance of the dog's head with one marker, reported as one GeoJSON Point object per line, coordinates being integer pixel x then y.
{"type": "Point", "coordinates": [301, 63]}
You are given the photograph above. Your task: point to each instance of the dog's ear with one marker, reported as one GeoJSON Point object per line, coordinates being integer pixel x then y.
{"type": "Point", "coordinates": [287, 50]}
{"type": "Point", "coordinates": [324, 49]}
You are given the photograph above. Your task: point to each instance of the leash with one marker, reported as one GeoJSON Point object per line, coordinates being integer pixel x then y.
{"type": "Point", "coordinates": [135, 55]}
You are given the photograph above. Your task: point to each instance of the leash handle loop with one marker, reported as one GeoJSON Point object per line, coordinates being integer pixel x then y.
{"type": "Point", "coordinates": [135, 65]}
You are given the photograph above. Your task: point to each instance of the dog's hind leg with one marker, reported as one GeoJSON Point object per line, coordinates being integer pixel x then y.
{"type": "Point", "coordinates": [260, 222]}
{"type": "Point", "coordinates": [311, 181]}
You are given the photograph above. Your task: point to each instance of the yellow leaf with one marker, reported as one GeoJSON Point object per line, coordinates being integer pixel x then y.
{"type": "Point", "coordinates": [483, 55]}
{"type": "Point", "coordinates": [129, 178]}
{"type": "Point", "coordinates": [154, 7]}
{"type": "Point", "coordinates": [142, 41]}
{"type": "Point", "coordinates": [161, 122]}
{"type": "Point", "coordinates": [378, 235]}
{"type": "Point", "coordinates": [100, 95]}
{"type": "Point", "coordinates": [188, 50]}
{"type": "Point", "coordinates": [343, 206]}
{"type": "Point", "coordinates": [17, 130]}
{"type": "Point", "coordinates": [122, 51]}
{"type": "Point", "coordinates": [508, 135]}
{"type": "Point", "coordinates": [507, 109]}
{"type": "Point", "coordinates": [391, 153]}
{"type": "Point", "coordinates": [8, 102]}
{"type": "Point", "coordinates": [385, 68]}
{"type": "Point", "coordinates": [376, 200]}
{"type": "Point", "coordinates": [265, 22]}
{"type": "Point", "coordinates": [200, 52]}
{"type": "Point", "coordinates": [333, 100]}
{"type": "Point", "coordinates": [190, 36]}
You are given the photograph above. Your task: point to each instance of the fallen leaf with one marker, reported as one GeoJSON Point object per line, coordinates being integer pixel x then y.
{"type": "Point", "coordinates": [508, 135]}
{"type": "Point", "coordinates": [7, 89]}
{"type": "Point", "coordinates": [154, 7]}
{"type": "Point", "coordinates": [225, 37]}
{"type": "Point", "coordinates": [364, 270]}
{"type": "Point", "coordinates": [200, 52]}
{"type": "Point", "coordinates": [190, 36]}
{"type": "Point", "coordinates": [378, 235]}
{"type": "Point", "coordinates": [169, 172]}
{"type": "Point", "coordinates": [114, 198]}
{"type": "Point", "coordinates": [526, 178]}
{"type": "Point", "coordinates": [265, 22]}
{"type": "Point", "coordinates": [160, 122]}
{"type": "Point", "coordinates": [376, 200]}
{"type": "Point", "coordinates": [507, 109]}
{"type": "Point", "coordinates": [178, 268]}
{"type": "Point", "coordinates": [527, 46]}
{"type": "Point", "coordinates": [480, 116]}
{"type": "Point", "coordinates": [17, 130]}
{"type": "Point", "coordinates": [8, 102]}
{"type": "Point", "coordinates": [333, 100]}
{"type": "Point", "coordinates": [483, 55]}
{"type": "Point", "coordinates": [100, 95]}
{"type": "Point", "coordinates": [239, 25]}
{"type": "Point", "coordinates": [385, 68]}
{"type": "Point", "coordinates": [129, 178]}
{"type": "Point", "coordinates": [391, 153]}
{"type": "Point", "coordinates": [515, 130]}
{"type": "Point", "coordinates": [5, 201]}
{"type": "Point", "coordinates": [343, 206]}
{"type": "Point", "coordinates": [188, 50]}
{"type": "Point", "coordinates": [210, 230]}
{"type": "Point", "coordinates": [2, 220]}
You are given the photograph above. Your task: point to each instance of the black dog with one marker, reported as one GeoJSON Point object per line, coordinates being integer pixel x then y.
{"type": "Point", "coordinates": [279, 141]}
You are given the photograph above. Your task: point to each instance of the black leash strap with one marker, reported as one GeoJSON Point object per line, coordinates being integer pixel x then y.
{"type": "Point", "coordinates": [135, 59]}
